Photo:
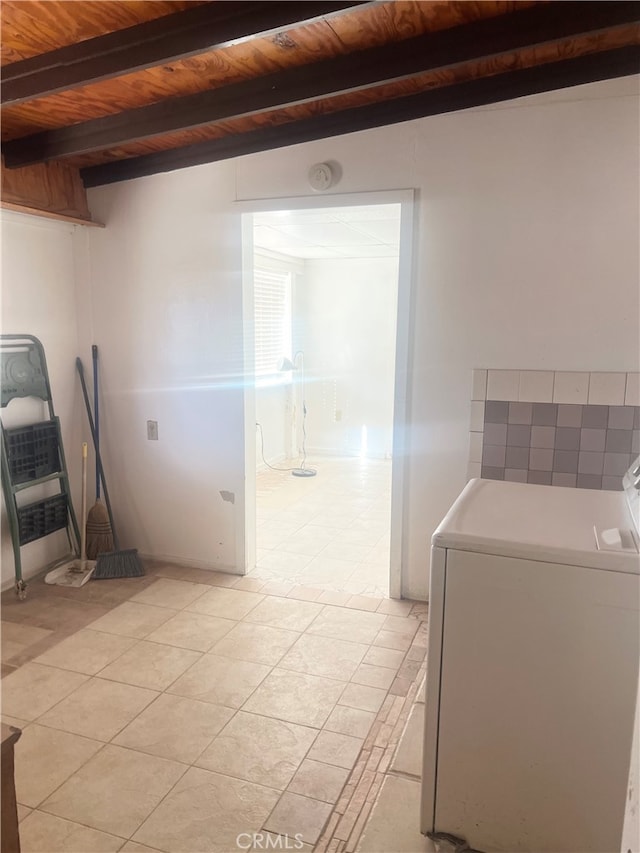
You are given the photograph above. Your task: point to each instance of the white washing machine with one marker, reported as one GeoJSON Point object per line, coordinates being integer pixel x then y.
{"type": "Point", "coordinates": [532, 667]}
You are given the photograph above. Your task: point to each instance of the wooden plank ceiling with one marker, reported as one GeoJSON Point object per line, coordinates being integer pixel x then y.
{"type": "Point", "coordinates": [123, 88]}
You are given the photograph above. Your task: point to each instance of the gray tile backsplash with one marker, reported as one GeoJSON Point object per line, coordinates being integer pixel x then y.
{"type": "Point", "coordinates": [560, 444]}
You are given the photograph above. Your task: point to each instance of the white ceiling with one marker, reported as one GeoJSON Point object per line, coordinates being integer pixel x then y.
{"type": "Point", "coordinates": [336, 232]}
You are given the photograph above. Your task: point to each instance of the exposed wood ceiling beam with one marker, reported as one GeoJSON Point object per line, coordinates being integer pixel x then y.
{"type": "Point", "coordinates": [473, 93]}
{"type": "Point", "coordinates": [165, 39]}
{"type": "Point", "coordinates": [340, 75]}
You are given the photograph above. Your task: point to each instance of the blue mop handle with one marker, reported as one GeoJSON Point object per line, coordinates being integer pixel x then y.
{"type": "Point", "coordinates": [96, 416]}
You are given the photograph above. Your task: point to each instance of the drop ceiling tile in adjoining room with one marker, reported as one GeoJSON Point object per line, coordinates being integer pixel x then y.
{"type": "Point", "coordinates": [326, 233]}
{"type": "Point", "coordinates": [368, 213]}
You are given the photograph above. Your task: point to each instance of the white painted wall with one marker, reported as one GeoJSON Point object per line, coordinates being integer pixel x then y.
{"type": "Point", "coordinates": [273, 413]}
{"type": "Point", "coordinates": [39, 297]}
{"type": "Point", "coordinates": [347, 308]}
{"type": "Point", "coordinates": [526, 257]}
{"type": "Point", "coordinates": [167, 294]}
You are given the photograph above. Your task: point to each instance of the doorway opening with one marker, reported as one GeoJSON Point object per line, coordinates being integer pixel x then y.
{"type": "Point", "coordinates": [326, 323]}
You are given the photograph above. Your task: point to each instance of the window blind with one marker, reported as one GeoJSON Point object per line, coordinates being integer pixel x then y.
{"type": "Point", "coordinates": [272, 306]}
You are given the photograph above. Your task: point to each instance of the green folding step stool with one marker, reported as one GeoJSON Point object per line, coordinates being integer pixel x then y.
{"type": "Point", "coordinates": [32, 454]}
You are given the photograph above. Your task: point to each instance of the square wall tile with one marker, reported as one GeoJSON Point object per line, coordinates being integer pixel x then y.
{"type": "Point", "coordinates": [607, 389]}
{"type": "Point", "coordinates": [567, 480]}
{"type": "Point", "coordinates": [540, 459]}
{"type": "Point", "coordinates": [615, 463]}
{"type": "Point", "coordinates": [618, 441]}
{"type": "Point", "coordinates": [491, 473]}
{"type": "Point", "coordinates": [479, 385]}
{"type": "Point", "coordinates": [518, 435]}
{"type": "Point", "coordinates": [621, 417]}
{"type": "Point", "coordinates": [612, 484]}
{"type": "Point", "coordinates": [589, 481]}
{"type": "Point", "coordinates": [517, 457]}
{"type": "Point", "coordinates": [540, 478]}
{"type": "Point", "coordinates": [595, 417]}
{"type": "Point", "coordinates": [496, 412]}
{"type": "Point", "coordinates": [592, 440]}
{"type": "Point", "coordinates": [632, 392]}
{"type": "Point", "coordinates": [590, 463]}
{"type": "Point", "coordinates": [565, 461]}
{"type": "Point", "coordinates": [475, 447]}
{"type": "Point", "coordinates": [520, 413]}
{"type": "Point", "coordinates": [571, 387]}
{"type": "Point", "coordinates": [569, 415]}
{"type": "Point", "coordinates": [543, 436]}
{"type": "Point", "coordinates": [503, 384]}
{"type": "Point", "coordinates": [477, 415]}
{"type": "Point", "coordinates": [536, 386]}
{"type": "Point", "coordinates": [493, 455]}
{"type": "Point", "coordinates": [545, 414]}
{"type": "Point", "coordinates": [567, 438]}
{"type": "Point", "coordinates": [515, 475]}
{"type": "Point", "coordinates": [495, 434]}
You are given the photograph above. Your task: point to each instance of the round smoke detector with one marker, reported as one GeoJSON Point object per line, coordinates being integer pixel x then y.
{"type": "Point", "coordinates": [320, 177]}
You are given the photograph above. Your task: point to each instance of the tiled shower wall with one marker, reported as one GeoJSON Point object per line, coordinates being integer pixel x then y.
{"type": "Point", "coordinates": [554, 428]}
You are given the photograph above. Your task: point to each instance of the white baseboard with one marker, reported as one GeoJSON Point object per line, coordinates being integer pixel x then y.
{"type": "Point", "coordinates": [344, 454]}
{"type": "Point", "coordinates": [186, 563]}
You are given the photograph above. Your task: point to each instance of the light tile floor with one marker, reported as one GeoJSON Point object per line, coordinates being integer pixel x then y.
{"type": "Point", "coordinates": [177, 711]}
{"type": "Point", "coordinates": [331, 531]}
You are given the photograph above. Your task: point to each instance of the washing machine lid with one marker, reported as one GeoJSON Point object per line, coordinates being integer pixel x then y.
{"type": "Point", "coordinates": [581, 527]}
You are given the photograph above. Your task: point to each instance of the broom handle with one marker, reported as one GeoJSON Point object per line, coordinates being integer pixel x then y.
{"type": "Point", "coordinates": [87, 404]}
{"type": "Point", "coordinates": [83, 536]}
{"type": "Point", "coordinates": [96, 409]}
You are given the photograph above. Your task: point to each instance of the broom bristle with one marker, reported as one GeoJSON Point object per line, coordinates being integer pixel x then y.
{"type": "Point", "coordinates": [119, 564]}
{"type": "Point", "coordinates": [99, 533]}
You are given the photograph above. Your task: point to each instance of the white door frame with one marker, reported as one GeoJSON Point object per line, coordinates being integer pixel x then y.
{"type": "Point", "coordinates": [246, 539]}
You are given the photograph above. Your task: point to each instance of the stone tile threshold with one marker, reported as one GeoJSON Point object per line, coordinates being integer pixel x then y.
{"type": "Point", "coordinates": [332, 792]}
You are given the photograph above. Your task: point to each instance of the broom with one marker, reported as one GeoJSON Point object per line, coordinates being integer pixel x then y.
{"type": "Point", "coordinates": [99, 533]}
{"type": "Point", "coordinates": [117, 564]}
{"type": "Point", "coordinates": [78, 572]}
